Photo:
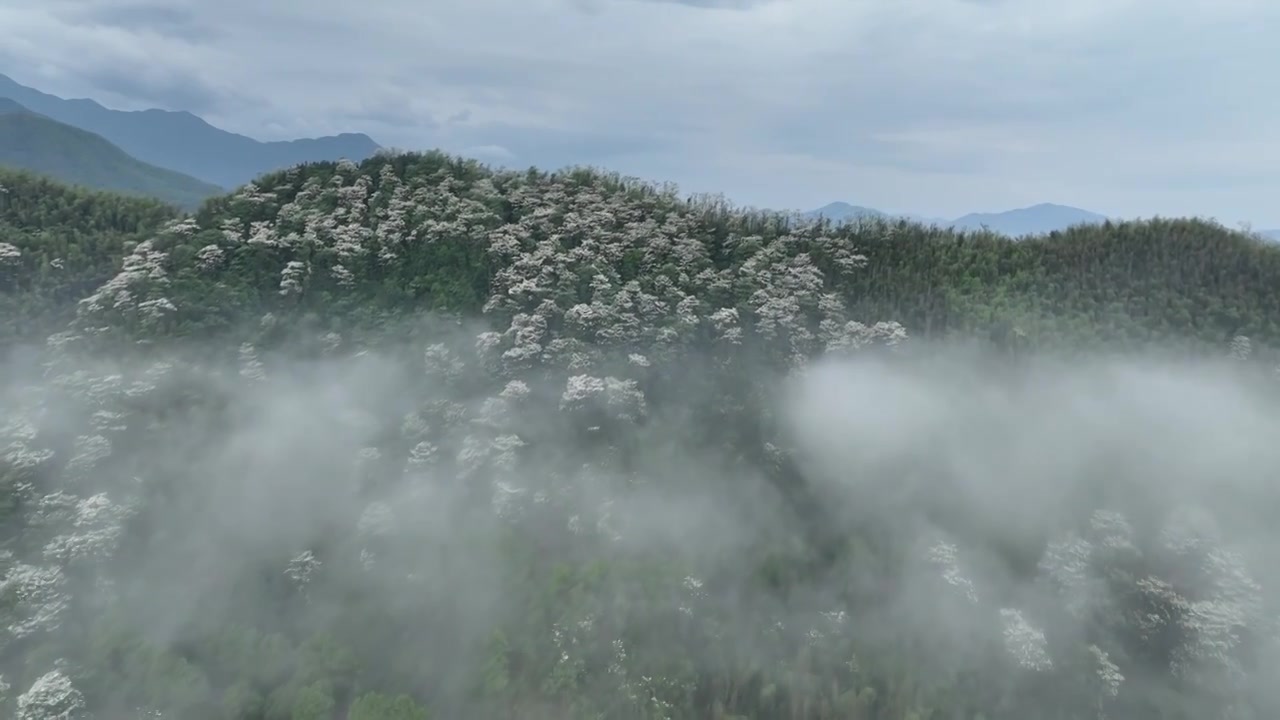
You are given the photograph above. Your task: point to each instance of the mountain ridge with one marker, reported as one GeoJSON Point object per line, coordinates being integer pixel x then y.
{"type": "Point", "coordinates": [184, 142]}
{"type": "Point", "coordinates": [1035, 219]}
{"type": "Point", "coordinates": [39, 144]}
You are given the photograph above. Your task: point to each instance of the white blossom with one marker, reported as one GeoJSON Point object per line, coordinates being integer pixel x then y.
{"type": "Point", "coordinates": [422, 455]}
{"type": "Point", "coordinates": [88, 452]}
{"type": "Point", "coordinates": [182, 227]}
{"type": "Point", "coordinates": [39, 598]}
{"type": "Point", "coordinates": [1112, 531]}
{"type": "Point", "coordinates": [302, 568]}
{"type": "Point", "coordinates": [945, 557]}
{"type": "Point", "coordinates": [1025, 643]}
{"type": "Point", "coordinates": [140, 271]}
{"type": "Point", "coordinates": [23, 457]}
{"type": "Point", "coordinates": [342, 276]}
{"type": "Point", "coordinates": [9, 254]}
{"type": "Point", "coordinates": [51, 697]}
{"type": "Point", "coordinates": [725, 321]}
{"type": "Point", "coordinates": [441, 361]}
{"type": "Point", "coordinates": [505, 451]}
{"type": "Point", "coordinates": [1067, 567]}
{"type": "Point", "coordinates": [331, 341]}
{"type": "Point", "coordinates": [1108, 673]}
{"type": "Point", "coordinates": [262, 233]}
{"type": "Point", "coordinates": [97, 528]}
{"type": "Point", "coordinates": [210, 257]}
{"type": "Point", "coordinates": [515, 391]}
{"type": "Point", "coordinates": [292, 277]}
{"type": "Point", "coordinates": [579, 389]}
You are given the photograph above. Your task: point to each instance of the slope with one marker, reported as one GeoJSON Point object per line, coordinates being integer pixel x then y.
{"type": "Point", "coordinates": [380, 248]}
{"type": "Point", "coordinates": [61, 243]}
{"type": "Point", "coordinates": [185, 143]}
{"type": "Point", "coordinates": [42, 145]}
{"type": "Point", "coordinates": [394, 236]}
{"type": "Point", "coordinates": [280, 504]}
{"type": "Point", "coordinates": [1116, 285]}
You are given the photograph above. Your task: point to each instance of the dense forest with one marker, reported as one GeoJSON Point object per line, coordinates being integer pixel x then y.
{"type": "Point", "coordinates": [58, 244]}
{"type": "Point", "coordinates": [415, 439]}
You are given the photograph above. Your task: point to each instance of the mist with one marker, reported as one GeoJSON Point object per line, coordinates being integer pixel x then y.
{"type": "Point", "coordinates": [948, 506]}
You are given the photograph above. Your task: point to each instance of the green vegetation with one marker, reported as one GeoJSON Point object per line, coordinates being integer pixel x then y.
{"type": "Point", "coordinates": [62, 243]}
{"type": "Point", "coordinates": [1114, 285]}
{"type": "Point", "coordinates": [33, 142]}
{"type": "Point", "coordinates": [416, 439]}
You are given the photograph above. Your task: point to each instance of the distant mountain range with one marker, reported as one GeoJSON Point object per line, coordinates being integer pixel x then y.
{"type": "Point", "coordinates": [1034, 220]}
{"type": "Point", "coordinates": [178, 157]}
{"type": "Point", "coordinates": [33, 142]}
{"type": "Point", "coordinates": [185, 143]}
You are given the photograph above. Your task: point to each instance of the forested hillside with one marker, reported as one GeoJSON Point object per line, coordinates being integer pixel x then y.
{"type": "Point", "coordinates": [413, 438]}
{"type": "Point", "coordinates": [58, 244]}
{"type": "Point", "coordinates": [1115, 285]}
{"type": "Point", "coordinates": [1189, 283]}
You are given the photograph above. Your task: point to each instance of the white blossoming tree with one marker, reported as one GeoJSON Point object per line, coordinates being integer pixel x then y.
{"type": "Point", "coordinates": [52, 697]}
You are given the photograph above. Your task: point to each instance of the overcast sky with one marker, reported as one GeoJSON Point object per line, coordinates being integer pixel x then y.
{"type": "Point", "coordinates": [940, 107]}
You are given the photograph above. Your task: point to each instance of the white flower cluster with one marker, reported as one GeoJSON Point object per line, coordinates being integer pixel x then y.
{"type": "Point", "coordinates": [9, 254]}
{"type": "Point", "coordinates": [1027, 644]}
{"type": "Point", "coordinates": [945, 557]}
{"type": "Point", "coordinates": [51, 697]}
{"type": "Point", "coordinates": [142, 272]}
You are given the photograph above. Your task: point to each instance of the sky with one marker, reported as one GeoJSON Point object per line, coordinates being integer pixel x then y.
{"type": "Point", "coordinates": [938, 107]}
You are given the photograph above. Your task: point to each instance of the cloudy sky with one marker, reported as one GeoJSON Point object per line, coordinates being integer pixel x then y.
{"type": "Point", "coordinates": [940, 107]}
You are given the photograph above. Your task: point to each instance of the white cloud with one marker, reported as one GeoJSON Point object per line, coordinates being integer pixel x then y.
{"type": "Point", "coordinates": [940, 106]}
{"type": "Point", "coordinates": [489, 152]}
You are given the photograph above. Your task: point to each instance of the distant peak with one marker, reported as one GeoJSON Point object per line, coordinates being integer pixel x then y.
{"type": "Point", "coordinates": [161, 111]}
{"type": "Point", "coordinates": [1054, 206]}
{"type": "Point", "coordinates": [844, 207]}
